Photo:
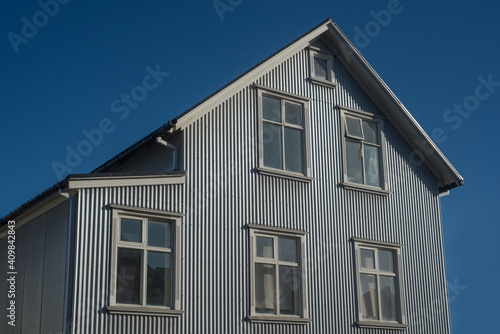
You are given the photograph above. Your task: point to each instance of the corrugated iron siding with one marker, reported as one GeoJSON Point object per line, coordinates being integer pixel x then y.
{"type": "Point", "coordinates": [41, 246]}
{"type": "Point", "coordinates": [223, 192]}
{"type": "Point", "coordinates": [93, 255]}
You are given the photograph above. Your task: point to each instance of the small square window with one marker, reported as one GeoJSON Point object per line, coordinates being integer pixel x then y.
{"type": "Point", "coordinates": [320, 68]}
{"type": "Point", "coordinates": [321, 64]}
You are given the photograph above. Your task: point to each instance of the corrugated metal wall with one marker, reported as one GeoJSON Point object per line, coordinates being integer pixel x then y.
{"type": "Point", "coordinates": [223, 193]}
{"type": "Point", "coordinates": [41, 274]}
{"type": "Point", "coordinates": [93, 255]}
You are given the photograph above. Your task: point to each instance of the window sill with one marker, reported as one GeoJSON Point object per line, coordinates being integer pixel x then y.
{"type": "Point", "coordinates": [322, 82]}
{"type": "Point", "coordinates": [382, 325]}
{"type": "Point", "coordinates": [138, 310]}
{"type": "Point", "coordinates": [284, 174]}
{"type": "Point", "coordinates": [365, 188]}
{"type": "Point", "coordinates": [274, 319]}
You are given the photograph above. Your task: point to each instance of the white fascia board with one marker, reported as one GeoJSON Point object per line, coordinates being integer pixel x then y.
{"type": "Point", "coordinates": [125, 181]}
{"type": "Point", "coordinates": [249, 78]}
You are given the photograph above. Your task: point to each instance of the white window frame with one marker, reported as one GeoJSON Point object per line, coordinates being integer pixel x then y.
{"type": "Point", "coordinates": [283, 96]}
{"type": "Point", "coordinates": [274, 233]}
{"type": "Point", "coordinates": [330, 80]}
{"type": "Point", "coordinates": [362, 115]}
{"type": "Point", "coordinates": [144, 215]}
{"type": "Point", "coordinates": [359, 244]}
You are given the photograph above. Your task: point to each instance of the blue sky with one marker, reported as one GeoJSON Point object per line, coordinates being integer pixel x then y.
{"type": "Point", "coordinates": [68, 74]}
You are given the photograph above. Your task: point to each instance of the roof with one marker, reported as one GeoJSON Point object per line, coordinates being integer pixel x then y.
{"type": "Point", "coordinates": [448, 177]}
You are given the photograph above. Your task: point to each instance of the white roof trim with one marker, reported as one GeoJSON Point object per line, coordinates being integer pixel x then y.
{"type": "Point", "coordinates": [248, 79]}
{"type": "Point", "coordinates": [124, 181]}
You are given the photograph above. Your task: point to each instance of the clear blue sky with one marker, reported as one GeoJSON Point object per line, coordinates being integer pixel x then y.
{"type": "Point", "coordinates": [433, 55]}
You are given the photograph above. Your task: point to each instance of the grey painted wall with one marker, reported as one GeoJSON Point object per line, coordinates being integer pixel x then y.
{"type": "Point", "coordinates": [41, 253]}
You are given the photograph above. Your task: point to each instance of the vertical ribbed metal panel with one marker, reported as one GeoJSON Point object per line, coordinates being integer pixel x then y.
{"type": "Point", "coordinates": [54, 278]}
{"type": "Point", "coordinates": [223, 192]}
{"type": "Point", "coordinates": [41, 276]}
{"type": "Point", "coordinates": [93, 255]}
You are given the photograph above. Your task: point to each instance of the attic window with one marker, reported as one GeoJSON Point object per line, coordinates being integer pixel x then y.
{"type": "Point", "coordinates": [321, 68]}
{"type": "Point", "coordinates": [363, 151]}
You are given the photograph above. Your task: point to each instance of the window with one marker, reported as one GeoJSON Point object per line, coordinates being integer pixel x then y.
{"type": "Point", "coordinates": [363, 151]}
{"type": "Point", "coordinates": [145, 260]}
{"type": "Point", "coordinates": [378, 284]}
{"type": "Point", "coordinates": [321, 67]}
{"type": "Point", "coordinates": [283, 148]}
{"type": "Point", "coordinates": [278, 280]}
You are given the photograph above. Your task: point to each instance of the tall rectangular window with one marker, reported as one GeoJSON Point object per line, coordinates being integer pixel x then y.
{"type": "Point", "coordinates": [145, 260]}
{"type": "Point", "coordinates": [363, 151]}
{"type": "Point", "coordinates": [277, 275]}
{"type": "Point", "coordinates": [378, 283]}
{"type": "Point", "coordinates": [283, 134]}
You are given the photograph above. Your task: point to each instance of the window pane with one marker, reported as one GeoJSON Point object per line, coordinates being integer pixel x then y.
{"type": "Point", "coordinates": [293, 113]}
{"type": "Point", "coordinates": [353, 126]}
{"type": "Point", "coordinates": [265, 288]}
{"type": "Point", "coordinates": [320, 68]}
{"type": "Point", "coordinates": [289, 290]}
{"type": "Point", "coordinates": [159, 279]}
{"type": "Point", "coordinates": [386, 260]}
{"type": "Point", "coordinates": [354, 163]}
{"type": "Point", "coordinates": [370, 132]}
{"type": "Point", "coordinates": [367, 258]}
{"type": "Point", "coordinates": [388, 298]}
{"type": "Point", "coordinates": [128, 276]}
{"type": "Point", "coordinates": [293, 150]}
{"type": "Point", "coordinates": [272, 146]}
{"type": "Point", "coordinates": [265, 247]}
{"type": "Point", "coordinates": [369, 299]}
{"type": "Point", "coordinates": [160, 234]}
{"type": "Point", "coordinates": [287, 249]}
{"type": "Point", "coordinates": [372, 166]}
{"type": "Point", "coordinates": [271, 109]}
{"type": "Point", "coordinates": [131, 230]}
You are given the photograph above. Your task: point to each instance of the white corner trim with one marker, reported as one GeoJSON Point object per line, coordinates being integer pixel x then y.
{"type": "Point", "coordinates": [125, 181]}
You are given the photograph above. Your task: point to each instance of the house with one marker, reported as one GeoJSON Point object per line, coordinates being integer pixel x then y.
{"type": "Point", "coordinates": [302, 197]}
